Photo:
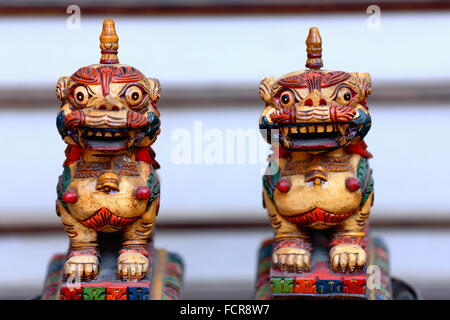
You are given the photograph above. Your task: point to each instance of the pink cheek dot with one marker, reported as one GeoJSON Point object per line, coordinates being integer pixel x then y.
{"type": "Point", "coordinates": [70, 196]}
{"type": "Point", "coordinates": [352, 184]}
{"type": "Point", "coordinates": [283, 185]}
{"type": "Point", "coordinates": [142, 193]}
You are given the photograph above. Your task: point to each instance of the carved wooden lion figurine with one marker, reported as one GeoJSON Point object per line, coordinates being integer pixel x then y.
{"type": "Point", "coordinates": [109, 119]}
{"type": "Point", "coordinates": [318, 176]}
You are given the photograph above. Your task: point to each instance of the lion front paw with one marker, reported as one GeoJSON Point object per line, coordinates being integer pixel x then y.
{"type": "Point", "coordinates": [132, 265]}
{"type": "Point", "coordinates": [292, 259]}
{"type": "Point", "coordinates": [81, 268]}
{"type": "Point", "coordinates": [347, 257]}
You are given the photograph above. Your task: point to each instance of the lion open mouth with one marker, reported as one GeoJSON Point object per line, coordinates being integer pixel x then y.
{"type": "Point", "coordinates": [316, 136]}
{"type": "Point", "coordinates": [107, 139]}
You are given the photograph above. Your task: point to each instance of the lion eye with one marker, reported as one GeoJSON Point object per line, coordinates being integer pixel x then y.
{"type": "Point", "coordinates": [81, 96]}
{"type": "Point", "coordinates": [345, 96]}
{"type": "Point", "coordinates": [134, 95]}
{"type": "Point", "coordinates": [287, 99]}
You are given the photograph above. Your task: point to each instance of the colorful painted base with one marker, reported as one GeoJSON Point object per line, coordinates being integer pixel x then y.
{"type": "Point", "coordinates": [372, 283]}
{"type": "Point", "coordinates": [163, 281]}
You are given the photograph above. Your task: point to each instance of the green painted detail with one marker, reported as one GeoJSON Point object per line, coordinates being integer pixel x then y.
{"type": "Point", "coordinates": [270, 181]}
{"type": "Point", "coordinates": [175, 258]}
{"type": "Point", "coordinates": [282, 285]}
{"type": "Point", "coordinates": [154, 185]}
{"type": "Point", "coordinates": [263, 293]}
{"type": "Point", "coordinates": [63, 184]}
{"type": "Point", "coordinates": [384, 265]}
{"type": "Point", "coordinates": [364, 175]}
{"type": "Point", "coordinates": [94, 293]}
{"type": "Point", "coordinates": [264, 265]}
{"type": "Point", "coordinates": [276, 284]}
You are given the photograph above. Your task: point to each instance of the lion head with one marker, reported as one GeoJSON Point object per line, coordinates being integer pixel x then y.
{"type": "Point", "coordinates": [316, 110]}
{"type": "Point", "coordinates": [108, 107]}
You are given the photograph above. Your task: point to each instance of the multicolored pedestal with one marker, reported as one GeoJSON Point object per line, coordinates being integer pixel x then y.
{"type": "Point", "coordinates": [372, 283]}
{"type": "Point", "coordinates": [163, 281]}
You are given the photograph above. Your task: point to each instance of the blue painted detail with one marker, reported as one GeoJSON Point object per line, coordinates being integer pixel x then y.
{"type": "Point", "coordinates": [329, 286]}
{"type": "Point", "coordinates": [270, 181]}
{"type": "Point", "coordinates": [364, 122]}
{"type": "Point", "coordinates": [153, 124]}
{"type": "Point", "coordinates": [61, 124]}
{"type": "Point", "coordinates": [137, 293]}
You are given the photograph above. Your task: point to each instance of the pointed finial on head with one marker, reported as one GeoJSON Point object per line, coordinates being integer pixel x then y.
{"type": "Point", "coordinates": [314, 49]}
{"type": "Point", "coordinates": [109, 43]}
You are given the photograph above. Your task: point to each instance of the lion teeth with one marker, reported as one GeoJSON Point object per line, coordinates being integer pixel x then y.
{"type": "Point", "coordinates": [294, 130]}
{"type": "Point", "coordinates": [311, 129]}
{"type": "Point", "coordinates": [329, 128]}
{"type": "Point", "coordinates": [303, 129]}
{"type": "Point", "coordinates": [108, 134]}
{"type": "Point", "coordinates": [90, 133]}
{"type": "Point", "coordinates": [320, 128]}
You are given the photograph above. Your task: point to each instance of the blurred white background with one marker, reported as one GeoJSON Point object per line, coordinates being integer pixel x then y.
{"type": "Point", "coordinates": [409, 140]}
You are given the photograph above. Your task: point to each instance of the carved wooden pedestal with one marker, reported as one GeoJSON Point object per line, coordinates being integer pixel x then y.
{"type": "Point", "coordinates": [321, 282]}
{"type": "Point", "coordinates": [162, 282]}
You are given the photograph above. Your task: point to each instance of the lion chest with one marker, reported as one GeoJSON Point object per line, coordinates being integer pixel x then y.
{"type": "Point", "coordinates": [328, 186]}
{"type": "Point", "coordinates": [331, 196]}
{"type": "Point", "coordinates": [108, 196]}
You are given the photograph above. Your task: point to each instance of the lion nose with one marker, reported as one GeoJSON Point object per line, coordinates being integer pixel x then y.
{"type": "Point", "coordinates": [314, 99]}
{"type": "Point", "coordinates": [110, 108]}
{"type": "Point", "coordinates": [110, 104]}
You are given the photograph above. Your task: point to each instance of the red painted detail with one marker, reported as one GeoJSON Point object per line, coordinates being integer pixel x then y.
{"type": "Point", "coordinates": [308, 102]}
{"type": "Point", "coordinates": [305, 285]}
{"type": "Point", "coordinates": [359, 148]}
{"type": "Point", "coordinates": [140, 250]}
{"type": "Point", "coordinates": [283, 185]}
{"type": "Point", "coordinates": [339, 113]}
{"type": "Point", "coordinates": [70, 196]}
{"type": "Point", "coordinates": [318, 215]}
{"type": "Point", "coordinates": [314, 79]}
{"type": "Point", "coordinates": [284, 115]}
{"type": "Point", "coordinates": [337, 240]}
{"type": "Point", "coordinates": [113, 74]}
{"type": "Point", "coordinates": [355, 285]}
{"type": "Point", "coordinates": [282, 152]}
{"type": "Point", "coordinates": [142, 193]}
{"type": "Point", "coordinates": [73, 153]}
{"type": "Point", "coordinates": [104, 75]}
{"type": "Point", "coordinates": [74, 119]}
{"type": "Point", "coordinates": [352, 184]}
{"type": "Point", "coordinates": [292, 243]}
{"type": "Point", "coordinates": [82, 252]}
{"type": "Point", "coordinates": [103, 217]}
{"type": "Point", "coordinates": [136, 120]}
{"type": "Point", "coordinates": [71, 293]}
{"type": "Point", "coordinates": [116, 293]}
{"type": "Point", "coordinates": [147, 155]}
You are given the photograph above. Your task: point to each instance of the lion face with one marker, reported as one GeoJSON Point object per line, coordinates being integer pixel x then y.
{"type": "Point", "coordinates": [108, 108]}
{"type": "Point", "coordinates": [316, 111]}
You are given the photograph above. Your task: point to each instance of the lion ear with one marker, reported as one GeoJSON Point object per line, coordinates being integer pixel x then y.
{"type": "Point", "coordinates": [265, 89]}
{"type": "Point", "coordinates": [364, 82]}
{"type": "Point", "coordinates": [154, 89]}
{"type": "Point", "coordinates": [61, 89]}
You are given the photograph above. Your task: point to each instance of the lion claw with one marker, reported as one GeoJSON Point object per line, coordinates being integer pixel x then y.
{"type": "Point", "coordinates": [347, 258]}
{"type": "Point", "coordinates": [132, 266]}
{"type": "Point", "coordinates": [292, 260]}
{"type": "Point", "coordinates": [81, 268]}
